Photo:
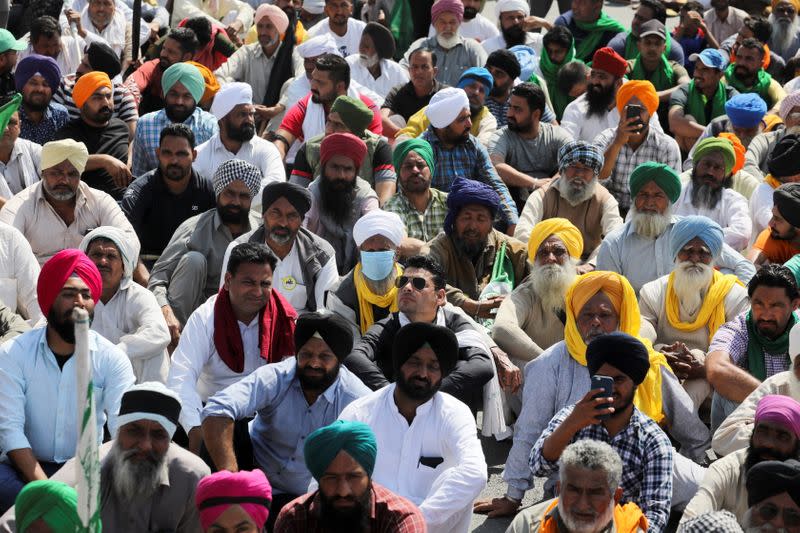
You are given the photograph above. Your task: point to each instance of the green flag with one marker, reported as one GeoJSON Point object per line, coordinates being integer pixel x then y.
{"type": "Point", "coordinates": [7, 110]}
{"type": "Point", "coordinates": [402, 26]}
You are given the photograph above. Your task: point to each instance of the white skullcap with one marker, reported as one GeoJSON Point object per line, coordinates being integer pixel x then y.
{"type": "Point", "coordinates": [315, 7]}
{"type": "Point", "coordinates": [317, 46]}
{"type": "Point", "coordinates": [150, 401]}
{"type": "Point", "coordinates": [229, 96]}
{"type": "Point", "coordinates": [445, 106]}
{"type": "Point", "coordinates": [379, 222]}
{"type": "Point", "coordinates": [127, 244]}
{"type": "Point", "coordinates": [512, 5]}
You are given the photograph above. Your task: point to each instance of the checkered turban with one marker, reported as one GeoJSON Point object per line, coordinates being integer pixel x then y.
{"type": "Point", "coordinates": [236, 169]}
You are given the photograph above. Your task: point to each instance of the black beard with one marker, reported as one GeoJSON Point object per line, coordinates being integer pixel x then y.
{"type": "Point", "coordinates": [470, 13]}
{"type": "Point", "coordinates": [316, 383]}
{"type": "Point", "coordinates": [469, 250]}
{"type": "Point", "coordinates": [517, 128]}
{"type": "Point", "coordinates": [474, 110]}
{"type": "Point", "coordinates": [176, 116]}
{"type": "Point", "coordinates": [232, 215]}
{"type": "Point", "coordinates": [599, 100]}
{"type": "Point", "coordinates": [497, 91]}
{"type": "Point", "coordinates": [353, 520]}
{"type": "Point", "coordinates": [337, 200]}
{"type": "Point", "coordinates": [416, 390]}
{"type": "Point", "coordinates": [756, 455]}
{"type": "Point", "coordinates": [178, 176]}
{"type": "Point", "coordinates": [64, 325]}
{"type": "Point", "coordinates": [102, 116]}
{"type": "Point", "coordinates": [243, 133]}
{"type": "Point", "coordinates": [624, 407]}
{"type": "Point", "coordinates": [704, 195]}
{"type": "Point", "coordinates": [514, 36]}
{"type": "Point", "coordinates": [35, 107]}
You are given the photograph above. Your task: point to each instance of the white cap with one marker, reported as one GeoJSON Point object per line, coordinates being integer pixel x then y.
{"type": "Point", "coordinates": [229, 96]}
{"type": "Point", "coordinates": [379, 222]}
{"type": "Point", "coordinates": [315, 7]}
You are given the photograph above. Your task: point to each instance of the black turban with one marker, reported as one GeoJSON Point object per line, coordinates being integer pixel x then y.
{"type": "Point", "coordinates": [785, 157]}
{"type": "Point", "coordinates": [505, 61]}
{"type": "Point", "coordinates": [104, 59]}
{"type": "Point", "coordinates": [333, 329]}
{"type": "Point", "coordinates": [414, 336]}
{"type": "Point", "coordinates": [298, 196]}
{"type": "Point", "coordinates": [620, 350]}
{"type": "Point", "coordinates": [769, 478]}
{"type": "Point", "coordinates": [787, 199]}
{"type": "Point", "coordinates": [382, 39]}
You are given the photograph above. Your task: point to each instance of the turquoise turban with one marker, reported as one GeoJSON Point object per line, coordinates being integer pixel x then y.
{"type": "Point", "coordinates": [54, 502]}
{"type": "Point", "coordinates": [355, 438]}
{"type": "Point", "coordinates": [189, 75]}
{"type": "Point", "coordinates": [418, 145]}
{"type": "Point", "coordinates": [687, 228]}
{"type": "Point", "coordinates": [663, 175]}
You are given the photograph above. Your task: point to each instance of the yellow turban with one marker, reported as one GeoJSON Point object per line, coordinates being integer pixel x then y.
{"type": "Point", "coordinates": [70, 150]}
{"type": "Point", "coordinates": [623, 298]}
{"type": "Point", "coordinates": [561, 228]}
{"type": "Point", "coordinates": [795, 3]}
{"type": "Point", "coordinates": [87, 85]}
{"type": "Point", "coordinates": [211, 83]}
{"type": "Point", "coordinates": [643, 90]}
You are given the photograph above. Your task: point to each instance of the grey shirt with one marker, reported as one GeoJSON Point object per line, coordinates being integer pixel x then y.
{"type": "Point", "coordinates": [453, 62]}
{"type": "Point", "coordinates": [537, 157]}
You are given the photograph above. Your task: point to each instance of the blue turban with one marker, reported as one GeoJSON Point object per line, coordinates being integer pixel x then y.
{"type": "Point", "coordinates": [687, 228]}
{"type": "Point", "coordinates": [324, 444]}
{"type": "Point", "coordinates": [528, 60]}
{"type": "Point", "coordinates": [34, 64]}
{"type": "Point", "coordinates": [465, 192]}
{"type": "Point", "coordinates": [479, 74]}
{"type": "Point", "coordinates": [189, 76]}
{"type": "Point", "coordinates": [746, 110]}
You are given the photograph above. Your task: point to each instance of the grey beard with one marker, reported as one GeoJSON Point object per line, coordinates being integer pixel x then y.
{"type": "Point", "coordinates": [382, 286]}
{"type": "Point", "coordinates": [691, 285]}
{"type": "Point", "coordinates": [550, 283]}
{"type": "Point", "coordinates": [705, 195]}
{"type": "Point", "coordinates": [649, 225]}
{"type": "Point", "coordinates": [574, 195]}
{"type": "Point", "coordinates": [601, 520]}
{"type": "Point", "coordinates": [783, 33]}
{"type": "Point", "coordinates": [133, 481]}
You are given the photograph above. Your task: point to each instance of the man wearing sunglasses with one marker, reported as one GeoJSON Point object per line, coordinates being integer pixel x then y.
{"type": "Point", "coordinates": [773, 494]}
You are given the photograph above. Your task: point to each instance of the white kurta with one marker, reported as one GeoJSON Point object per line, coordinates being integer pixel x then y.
{"type": "Point", "coordinates": [392, 75]}
{"type": "Point", "coordinates": [19, 273]}
{"type": "Point", "coordinates": [347, 43]}
{"type": "Point", "coordinates": [731, 213]}
{"type": "Point", "coordinates": [761, 208]}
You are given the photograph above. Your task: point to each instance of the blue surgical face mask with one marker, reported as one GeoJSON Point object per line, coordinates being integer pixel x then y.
{"type": "Point", "coordinates": [377, 266]}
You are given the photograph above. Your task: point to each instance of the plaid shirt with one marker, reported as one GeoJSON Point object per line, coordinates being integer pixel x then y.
{"type": "Point", "coordinates": [423, 226]}
{"type": "Point", "coordinates": [54, 118]}
{"type": "Point", "coordinates": [148, 129]}
{"type": "Point", "coordinates": [389, 513]}
{"type": "Point", "coordinates": [657, 147]}
{"type": "Point", "coordinates": [468, 160]}
{"type": "Point", "coordinates": [646, 455]}
{"type": "Point", "coordinates": [732, 338]}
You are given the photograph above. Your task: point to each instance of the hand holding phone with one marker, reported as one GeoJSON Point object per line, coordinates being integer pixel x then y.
{"type": "Point", "coordinates": [607, 384]}
{"type": "Point", "coordinates": [634, 111]}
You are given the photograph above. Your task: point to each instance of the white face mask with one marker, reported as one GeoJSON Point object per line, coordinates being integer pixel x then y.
{"type": "Point", "coordinates": [447, 42]}
{"type": "Point", "coordinates": [368, 61]}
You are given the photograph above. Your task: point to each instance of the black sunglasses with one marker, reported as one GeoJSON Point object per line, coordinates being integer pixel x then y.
{"type": "Point", "coordinates": [418, 283]}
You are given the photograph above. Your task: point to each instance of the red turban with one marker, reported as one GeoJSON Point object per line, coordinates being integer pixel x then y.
{"type": "Point", "coordinates": [58, 269]}
{"type": "Point", "coordinates": [217, 492]}
{"type": "Point", "coordinates": [345, 144]}
{"type": "Point", "coordinates": [606, 59]}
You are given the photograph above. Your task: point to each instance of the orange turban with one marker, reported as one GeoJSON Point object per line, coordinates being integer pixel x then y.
{"type": "Point", "coordinates": [738, 149]}
{"type": "Point", "coordinates": [795, 3]}
{"type": "Point", "coordinates": [643, 90]}
{"type": "Point", "coordinates": [212, 85]}
{"type": "Point", "coordinates": [87, 85]}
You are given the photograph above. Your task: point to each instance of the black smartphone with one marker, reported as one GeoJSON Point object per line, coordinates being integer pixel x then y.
{"type": "Point", "coordinates": [634, 111]}
{"type": "Point", "coordinates": [607, 384]}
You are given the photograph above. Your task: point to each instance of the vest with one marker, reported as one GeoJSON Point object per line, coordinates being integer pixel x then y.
{"type": "Point", "coordinates": [586, 216]}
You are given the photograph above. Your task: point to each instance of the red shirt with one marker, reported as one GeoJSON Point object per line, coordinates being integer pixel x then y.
{"type": "Point", "coordinates": [146, 79]}
{"type": "Point", "coordinates": [293, 120]}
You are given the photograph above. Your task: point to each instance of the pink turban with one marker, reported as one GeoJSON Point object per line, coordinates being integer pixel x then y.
{"type": "Point", "coordinates": [455, 7]}
{"type": "Point", "coordinates": [275, 14]}
{"type": "Point", "coordinates": [782, 410]}
{"type": "Point", "coordinates": [58, 269]}
{"type": "Point", "coordinates": [345, 144]}
{"type": "Point", "coordinates": [217, 492]}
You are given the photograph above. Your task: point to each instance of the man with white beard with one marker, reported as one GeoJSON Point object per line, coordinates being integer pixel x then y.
{"type": "Point", "coordinates": [682, 311]}
{"type": "Point", "coordinates": [575, 195]}
{"type": "Point", "coordinates": [785, 39]}
{"type": "Point", "coordinates": [654, 189]}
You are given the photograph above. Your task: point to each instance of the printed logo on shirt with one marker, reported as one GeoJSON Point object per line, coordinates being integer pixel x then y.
{"type": "Point", "coordinates": [289, 283]}
{"type": "Point", "coordinates": [195, 208]}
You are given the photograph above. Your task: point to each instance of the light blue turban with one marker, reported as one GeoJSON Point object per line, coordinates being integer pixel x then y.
{"type": "Point", "coordinates": [687, 228]}
{"type": "Point", "coordinates": [528, 60]}
{"type": "Point", "coordinates": [188, 75]}
{"type": "Point", "coordinates": [324, 444]}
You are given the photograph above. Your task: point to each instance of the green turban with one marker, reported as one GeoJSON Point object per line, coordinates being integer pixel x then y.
{"type": "Point", "coordinates": [355, 438]}
{"type": "Point", "coordinates": [354, 113]}
{"type": "Point", "coordinates": [188, 75]}
{"type": "Point", "coordinates": [418, 145]}
{"type": "Point", "coordinates": [663, 175]}
{"type": "Point", "coordinates": [54, 502]}
{"type": "Point", "coordinates": [709, 144]}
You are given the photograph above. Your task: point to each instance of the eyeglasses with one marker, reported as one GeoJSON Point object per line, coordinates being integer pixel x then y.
{"type": "Point", "coordinates": [418, 283]}
{"type": "Point", "coordinates": [768, 512]}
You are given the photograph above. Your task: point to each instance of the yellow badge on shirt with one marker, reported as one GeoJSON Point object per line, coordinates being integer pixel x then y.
{"type": "Point", "coordinates": [289, 283]}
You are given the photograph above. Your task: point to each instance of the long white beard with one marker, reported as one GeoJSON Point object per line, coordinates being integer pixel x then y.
{"type": "Point", "coordinates": [575, 526]}
{"type": "Point", "coordinates": [131, 480]}
{"type": "Point", "coordinates": [782, 34]}
{"type": "Point", "coordinates": [650, 225]}
{"type": "Point", "coordinates": [573, 195]}
{"type": "Point", "coordinates": [368, 61]}
{"type": "Point", "coordinates": [691, 284]}
{"type": "Point", "coordinates": [550, 283]}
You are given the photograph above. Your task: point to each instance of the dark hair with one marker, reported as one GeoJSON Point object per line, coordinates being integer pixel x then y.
{"type": "Point", "coordinates": [177, 129]}
{"type": "Point", "coordinates": [761, 28]}
{"type": "Point", "coordinates": [45, 26]}
{"type": "Point", "coordinates": [774, 275]}
{"type": "Point", "coordinates": [40, 8]}
{"type": "Point", "coordinates": [532, 93]}
{"type": "Point", "coordinates": [420, 50]}
{"type": "Point", "coordinates": [186, 38]}
{"type": "Point", "coordinates": [559, 35]}
{"type": "Point", "coordinates": [658, 8]}
{"type": "Point", "coordinates": [428, 263]}
{"type": "Point", "coordinates": [570, 75]}
{"type": "Point", "coordinates": [201, 27]}
{"type": "Point", "coordinates": [792, 66]}
{"type": "Point", "coordinates": [754, 44]}
{"type": "Point", "coordinates": [693, 5]}
{"type": "Point", "coordinates": [336, 67]}
{"type": "Point", "coordinates": [250, 252]}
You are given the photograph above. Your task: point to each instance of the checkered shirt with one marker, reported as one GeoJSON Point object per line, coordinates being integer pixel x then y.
{"type": "Point", "coordinates": [711, 522]}
{"type": "Point", "coordinates": [423, 226]}
{"type": "Point", "coordinates": [732, 337]}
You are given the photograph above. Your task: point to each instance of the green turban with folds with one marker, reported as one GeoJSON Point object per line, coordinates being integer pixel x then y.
{"type": "Point", "coordinates": [188, 75]}
{"type": "Point", "coordinates": [354, 113]}
{"type": "Point", "coordinates": [418, 145]}
{"type": "Point", "coordinates": [54, 502]}
{"type": "Point", "coordinates": [709, 145]}
{"type": "Point", "coordinates": [663, 175]}
{"type": "Point", "coordinates": [355, 438]}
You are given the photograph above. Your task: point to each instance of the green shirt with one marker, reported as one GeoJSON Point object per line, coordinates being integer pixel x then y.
{"type": "Point", "coordinates": [423, 226]}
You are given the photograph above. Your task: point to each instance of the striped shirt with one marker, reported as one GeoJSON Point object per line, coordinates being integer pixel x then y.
{"type": "Point", "coordinates": [124, 104]}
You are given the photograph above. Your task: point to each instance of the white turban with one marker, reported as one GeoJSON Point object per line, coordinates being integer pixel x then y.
{"type": "Point", "coordinates": [229, 96]}
{"type": "Point", "coordinates": [126, 243]}
{"type": "Point", "coordinates": [56, 152]}
{"type": "Point", "coordinates": [512, 5]}
{"type": "Point", "coordinates": [317, 46]}
{"type": "Point", "coordinates": [445, 106]}
{"type": "Point", "coordinates": [378, 222]}
{"type": "Point", "coordinates": [315, 7]}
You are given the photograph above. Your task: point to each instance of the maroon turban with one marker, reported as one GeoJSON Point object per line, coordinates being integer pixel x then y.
{"type": "Point", "coordinates": [606, 59]}
{"type": "Point", "coordinates": [58, 269]}
{"type": "Point", "coordinates": [455, 7]}
{"type": "Point", "coordinates": [345, 144]}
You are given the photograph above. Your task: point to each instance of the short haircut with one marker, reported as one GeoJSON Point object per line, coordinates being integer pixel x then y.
{"type": "Point", "coordinates": [336, 66]}
{"type": "Point", "coordinates": [753, 44]}
{"type": "Point", "coordinates": [774, 275]}
{"type": "Point", "coordinates": [250, 252]}
{"type": "Point", "coordinates": [428, 263]}
{"type": "Point", "coordinates": [420, 50]}
{"type": "Point", "coordinates": [45, 26]}
{"type": "Point", "coordinates": [177, 129]}
{"type": "Point", "coordinates": [40, 8]}
{"type": "Point", "coordinates": [559, 35]}
{"type": "Point", "coordinates": [570, 75]}
{"type": "Point", "coordinates": [693, 5]}
{"type": "Point", "coordinates": [761, 28]}
{"type": "Point", "coordinates": [532, 94]}
{"type": "Point", "coordinates": [658, 9]}
{"type": "Point", "coordinates": [186, 38]}
{"type": "Point", "coordinates": [792, 66]}
{"type": "Point", "coordinates": [592, 455]}
{"type": "Point", "coordinates": [201, 27]}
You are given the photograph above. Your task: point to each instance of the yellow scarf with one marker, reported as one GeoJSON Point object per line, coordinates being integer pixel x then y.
{"type": "Point", "coordinates": [366, 298]}
{"type": "Point", "coordinates": [628, 518]}
{"type": "Point", "coordinates": [623, 298]}
{"type": "Point", "coordinates": [712, 313]}
{"type": "Point", "coordinates": [772, 182]}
